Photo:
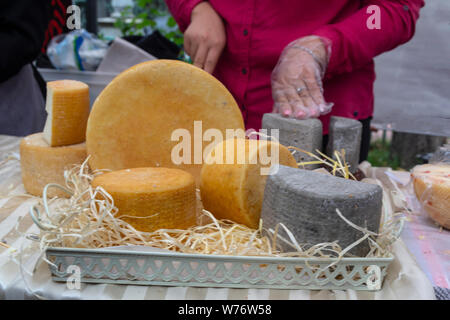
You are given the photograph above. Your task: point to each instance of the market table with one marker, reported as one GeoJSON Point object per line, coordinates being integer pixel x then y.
{"type": "Point", "coordinates": [410, 276]}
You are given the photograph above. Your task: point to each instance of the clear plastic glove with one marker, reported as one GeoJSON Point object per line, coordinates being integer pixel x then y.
{"type": "Point", "coordinates": [297, 88]}
{"type": "Point", "coordinates": [205, 37]}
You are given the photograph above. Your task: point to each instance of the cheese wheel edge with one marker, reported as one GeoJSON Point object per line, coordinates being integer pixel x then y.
{"type": "Point", "coordinates": [431, 184]}
{"type": "Point", "coordinates": [67, 106]}
{"type": "Point", "coordinates": [144, 201]}
{"type": "Point", "coordinates": [235, 191]}
{"type": "Point", "coordinates": [42, 164]}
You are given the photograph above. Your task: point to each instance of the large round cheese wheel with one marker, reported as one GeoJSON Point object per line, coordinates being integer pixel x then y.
{"type": "Point", "coordinates": [432, 188]}
{"type": "Point", "coordinates": [133, 119]}
{"type": "Point", "coordinates": [234, 190]}
{"type": "Point", "coordinates": [42, 164]}
{"type": "Point", "coordinates": [152, 198]}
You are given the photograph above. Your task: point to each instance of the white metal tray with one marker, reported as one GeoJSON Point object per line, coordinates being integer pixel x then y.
{"type": "Point", "coordinates": [199, 270]}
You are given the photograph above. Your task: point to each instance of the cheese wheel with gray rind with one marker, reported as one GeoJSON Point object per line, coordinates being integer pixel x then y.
{"type": "Point", "coordinates": [432, 188]}
{"type": "Point", "coordinates": [152, 198]}
{"type": "Point", "coordinates": [132, 121]}
{"type": "Point", "coordinates": [42, 164]}
{"type": "Point", "coordinates": [67, 107]}
{"type": "Point", "coordinates": [234, 190]}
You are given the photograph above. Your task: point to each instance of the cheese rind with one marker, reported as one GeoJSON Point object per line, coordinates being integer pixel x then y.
{"type": "Point", "coordinates": [235, 190]}
{"type": "Point", "coordinates": [152, 198]}
{"type": "Point", "coordinates": [306, 201]}
{"type": "Point", "coordinates": [67, 107]}
{"type": "Point", "coordinates": [432, 188]}
{"type": "Point", "coordinates": [42, 164]}
{"type": "Point", "coordinates": [133, 119]}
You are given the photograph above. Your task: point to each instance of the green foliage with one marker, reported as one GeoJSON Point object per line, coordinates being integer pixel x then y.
{"type": "Point", "coordinates": [133, 21]}
{"type": "Point", "coordinates": [130, 24]}
{"type": "Point", "coordinates": [380, 156]}
{"type": "Point", "coordinates": [171, 22]}
{"type": "Point", "coordinates": [143, 3]}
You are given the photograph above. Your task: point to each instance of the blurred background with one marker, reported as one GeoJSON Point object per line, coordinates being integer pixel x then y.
{"type": "Point", "coordinates": [412, 90]}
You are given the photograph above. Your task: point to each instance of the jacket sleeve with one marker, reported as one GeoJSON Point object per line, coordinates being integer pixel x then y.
{"type": "Point", "coordinates": [181, 11]}
{"type": "Point", "coordinates": [22, 31]}
{"type": "Point", "coordinates": [354, 44]}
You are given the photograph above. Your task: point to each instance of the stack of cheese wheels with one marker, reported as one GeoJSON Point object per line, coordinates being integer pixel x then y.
{"type": "Point", "coordinates": [432, 188]}
{"type": "Point", "coordinates": [233, 178]}
{"type": "Point", "coordinates": [44, 156]}
{"type": "Point", "coordinates": [149, 109]}
{"type": "Point", "coordinates": [152, 198]}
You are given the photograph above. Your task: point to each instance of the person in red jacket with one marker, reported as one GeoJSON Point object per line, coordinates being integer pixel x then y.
{"type": "Point", "coordinates": [303, 59]}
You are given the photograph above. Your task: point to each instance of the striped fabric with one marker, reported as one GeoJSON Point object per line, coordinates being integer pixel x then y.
{"type": "Point", "coordinates": [442, 293]}
{"type": "Point", "coordinates": [405, 279]}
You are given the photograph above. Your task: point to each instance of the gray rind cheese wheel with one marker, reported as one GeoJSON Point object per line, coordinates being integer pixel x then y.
{"type": "Point", "coordinates": [132, 121]}
{"type": "Point", "coordinates": [306, 201]}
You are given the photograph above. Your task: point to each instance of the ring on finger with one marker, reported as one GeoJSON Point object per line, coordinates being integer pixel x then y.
{"type": "Point", "coordinates": [300, 89]}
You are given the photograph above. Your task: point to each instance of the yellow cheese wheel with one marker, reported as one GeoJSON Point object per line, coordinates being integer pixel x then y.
{"type": "Point", "coordinates": [234, 189]}
{"type": "Point", "coordinates": [432, 188]}
{"type": "Point", "coordinates": [132, 121]}
{"type": "Point", "coordinates": [152, 198]}
{"type": "Point", "coordinates": [67, 107]}
{"type": "Point", "coordinates": [42, 164]}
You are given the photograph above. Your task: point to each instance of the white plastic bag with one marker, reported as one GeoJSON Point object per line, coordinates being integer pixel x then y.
{"type": "Point", "coordinates": [76, 50]}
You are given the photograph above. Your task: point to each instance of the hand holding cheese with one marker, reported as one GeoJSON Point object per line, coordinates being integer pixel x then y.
{"type": "Point", "coordinates": [67, 108]}
{"type": "Point", "coordinates": [297, 87]}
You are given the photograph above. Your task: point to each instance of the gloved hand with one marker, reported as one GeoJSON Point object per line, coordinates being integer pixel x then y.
{"type": "Point", "coordinates": [297, 79]}
{"type": "Point", "coordinates": [205, 37]}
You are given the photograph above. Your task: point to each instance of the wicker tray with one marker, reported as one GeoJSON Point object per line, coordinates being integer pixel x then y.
{"type": "Point", "coordinates": [198, 270]}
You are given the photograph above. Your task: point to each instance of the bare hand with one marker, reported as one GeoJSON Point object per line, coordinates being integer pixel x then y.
{"type": "Point", "coordinates": [205, 38]}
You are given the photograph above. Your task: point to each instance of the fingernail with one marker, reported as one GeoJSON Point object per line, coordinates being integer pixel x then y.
{"type": "Point", "coordinates": [300, 114]}
{"type": "Point", "coordinates": [326, 108]}
{"type": "Point", "coordinates": [314, 111]}
{"type": "Point", "coordinates": [287, 113]}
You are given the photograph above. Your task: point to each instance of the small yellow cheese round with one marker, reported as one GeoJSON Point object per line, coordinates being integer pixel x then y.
{"type": "Point", "coordinates": [42, 164]}
{"type": "Point", "coordinates": [235, 190]}
{"type": "Point", "coordinates": [152, 198]}
{"type": "Point", "coordinates": [67, 107]}
{"type": "Point", "coordinates": [432, 188]}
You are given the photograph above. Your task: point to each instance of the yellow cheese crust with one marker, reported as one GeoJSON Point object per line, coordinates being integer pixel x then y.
{"type": "Point", "coordinates": [132, 120]}
{"type": "Point", "coordinates": [42, 164]}
{"type": "Point", "coordinates": [235, 191]}
{"type": "Point", "coordinates": [432, 188]}
{"type": "Point", "coordinates": [67, 108]}
{"type": "Point", "coordinates": [152, 198]}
